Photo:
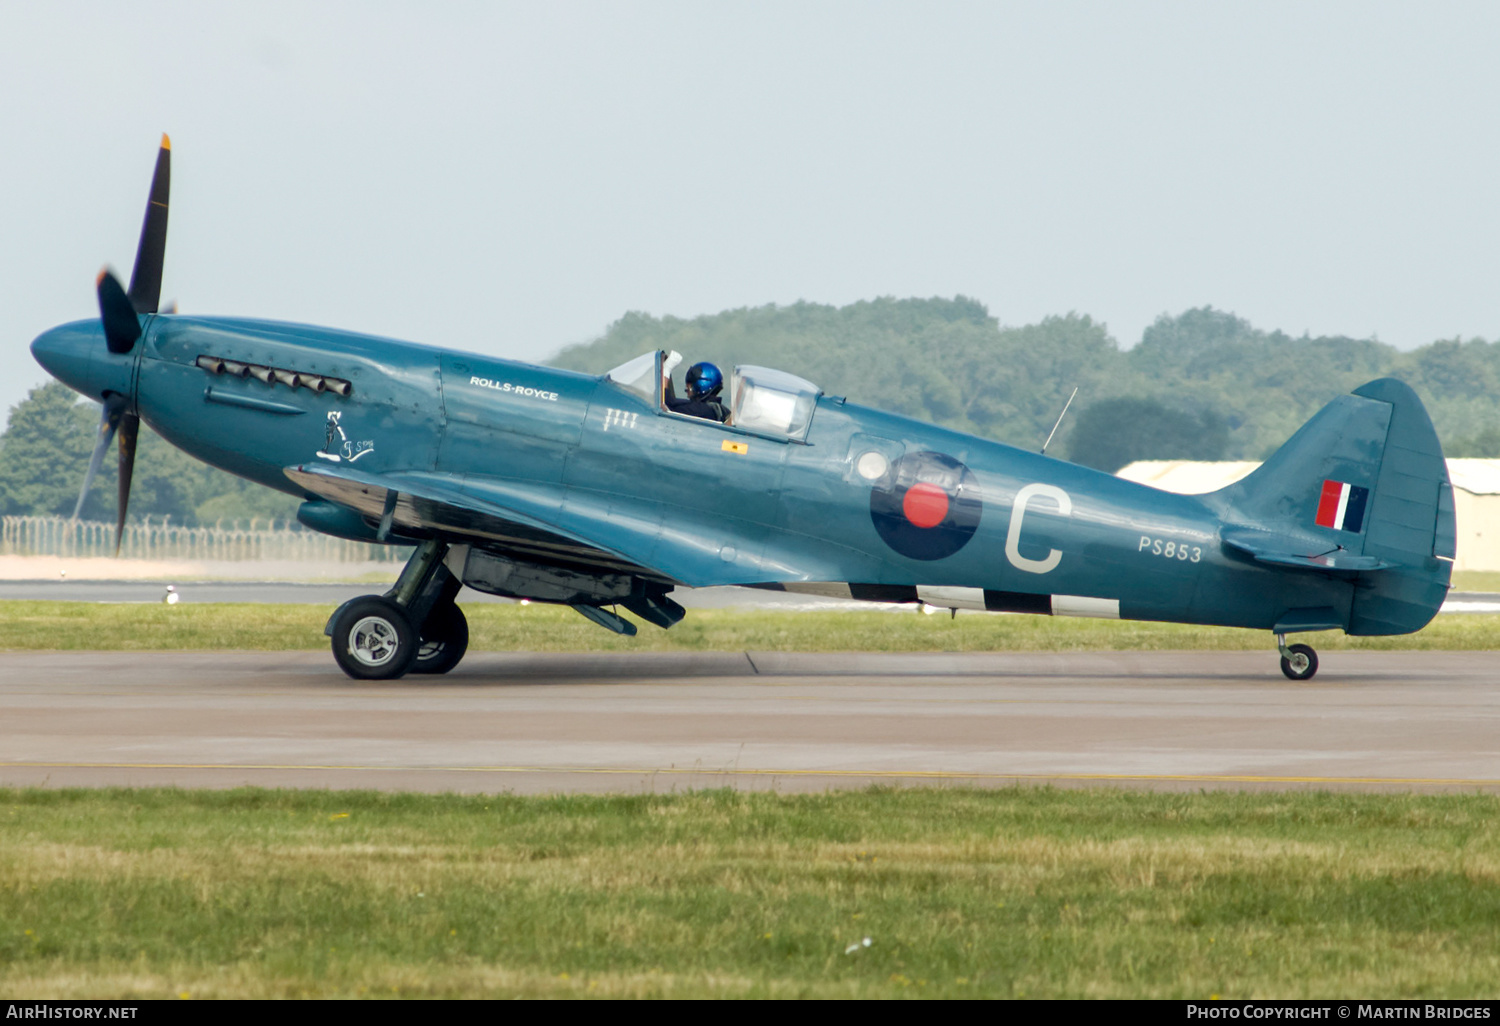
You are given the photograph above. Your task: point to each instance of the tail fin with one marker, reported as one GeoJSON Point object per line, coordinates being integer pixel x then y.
{"type": "Point", "coordinates": [1365, 481]}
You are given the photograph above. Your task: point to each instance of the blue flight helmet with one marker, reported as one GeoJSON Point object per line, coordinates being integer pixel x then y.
{"type": "Point", "coordinates": [703, 381]}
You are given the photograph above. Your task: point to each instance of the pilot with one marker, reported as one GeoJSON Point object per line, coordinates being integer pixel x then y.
{"type": "Point", "coordinates": [704, 383]}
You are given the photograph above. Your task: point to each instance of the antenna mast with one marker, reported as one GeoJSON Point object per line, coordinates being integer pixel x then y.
{"type": "Point", "coordinates": [1060, 417]}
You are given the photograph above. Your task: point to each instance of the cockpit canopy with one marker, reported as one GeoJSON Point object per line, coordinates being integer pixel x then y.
{"type": "Point", "coordinates": [761, 400]}
{"type": "Point", "coordinates": [772, 402]}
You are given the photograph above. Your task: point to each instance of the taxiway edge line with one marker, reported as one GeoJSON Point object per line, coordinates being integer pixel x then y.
{"type": "Point", "coordinates": [1226, 778]}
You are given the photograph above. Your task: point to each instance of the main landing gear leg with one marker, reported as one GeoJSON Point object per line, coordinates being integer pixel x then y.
{"type": "Point", "coordinates": [1298, 662]}
{"type": "Point", "coordinates": [378, 637]}
{"type": "Point", "coordinates": [445, 632]}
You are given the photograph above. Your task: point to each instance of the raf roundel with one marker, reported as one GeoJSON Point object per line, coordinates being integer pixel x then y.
{"type": "Point", "coordinates": [927, 507]}
{"type": "Point", "coordinates": [925, 504]}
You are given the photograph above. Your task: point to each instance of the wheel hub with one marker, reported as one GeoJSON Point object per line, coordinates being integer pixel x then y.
{"type": "Point", "coordinates": [373, 641]}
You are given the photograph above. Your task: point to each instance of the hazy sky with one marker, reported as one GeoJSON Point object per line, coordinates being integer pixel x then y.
{"type": "Point", "coordinates": [512, 177]}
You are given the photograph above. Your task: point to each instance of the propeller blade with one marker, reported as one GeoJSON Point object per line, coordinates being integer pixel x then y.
{"type": "Point", "coordinates": [145, 280]}
{"type": "Point", "coordinates": [121, 326]}
{"type": "Point", "coordinates": [130, 424]}
{"type": "Point", "coordinates": [109, 420]}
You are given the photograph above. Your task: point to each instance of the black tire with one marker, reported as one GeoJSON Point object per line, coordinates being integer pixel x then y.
{"type": "Point", "coordinates": [373, 639]}
{"type": "Point", "coordinates": [445, 639]}
{"type": "Point", "coordinates": [1302, 665]}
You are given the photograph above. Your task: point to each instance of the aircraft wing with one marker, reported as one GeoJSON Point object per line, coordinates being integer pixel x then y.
{"type": "Point", "coordinates": [437, 503]}
{"type": "Point", "coordinates": [1279, 550]}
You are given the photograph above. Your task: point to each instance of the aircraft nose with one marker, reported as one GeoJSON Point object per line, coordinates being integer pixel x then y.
{"type": "Point", "coordinates": [76, 355]}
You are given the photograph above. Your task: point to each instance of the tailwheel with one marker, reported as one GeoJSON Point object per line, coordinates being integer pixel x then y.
{"type": "Point", "coordinates": [373, 639]}
{"type": "Point", "coordinates": [444, 640]}
{"type": "Point", "coordinates": [1298, 662]}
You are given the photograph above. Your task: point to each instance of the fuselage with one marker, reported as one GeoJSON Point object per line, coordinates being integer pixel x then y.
{"type": "Point", "coordinates": [997, 527]}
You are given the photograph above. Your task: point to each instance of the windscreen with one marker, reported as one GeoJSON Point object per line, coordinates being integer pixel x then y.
{"type": "Point", "coordinates": [639, 375]}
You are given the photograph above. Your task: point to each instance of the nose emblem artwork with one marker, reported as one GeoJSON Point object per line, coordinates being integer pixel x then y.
{"type": "Point", "coordinates": [928, 507]}
{"type": "Point", "coordinates": [337, 446]}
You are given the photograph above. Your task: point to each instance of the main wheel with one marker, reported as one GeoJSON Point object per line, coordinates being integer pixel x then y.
{"type": "Point", "coordinates": [373, 639]}
{"type": "Point", "coordinates": [445, 639]}
{"type": "Point", "coordinates": [1301, 664]}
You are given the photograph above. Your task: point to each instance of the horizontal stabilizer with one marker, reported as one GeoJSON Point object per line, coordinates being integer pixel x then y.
{"type": "Point", "coordinates": [1320, 618]}
{"type": "Point", "coordinates": [1280, 550]}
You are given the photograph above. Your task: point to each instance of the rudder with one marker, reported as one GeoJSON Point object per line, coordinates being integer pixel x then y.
{"type": "Point", "coordinates": [1411, 521]}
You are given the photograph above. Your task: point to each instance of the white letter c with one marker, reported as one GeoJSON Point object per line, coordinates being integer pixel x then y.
{"type": "Point", "coordinates": [1013, 536]}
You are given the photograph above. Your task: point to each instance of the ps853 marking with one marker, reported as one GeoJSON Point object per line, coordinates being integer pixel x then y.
{"type": "Point", "coordinates": [1168, 548]}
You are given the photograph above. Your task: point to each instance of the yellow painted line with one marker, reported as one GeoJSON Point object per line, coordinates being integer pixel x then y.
{"type": "Point", "coordinates": [1228, 778]}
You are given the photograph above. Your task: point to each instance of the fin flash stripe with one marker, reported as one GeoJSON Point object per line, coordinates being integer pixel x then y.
{"type": "Point", "coordinates": [1342, 506]}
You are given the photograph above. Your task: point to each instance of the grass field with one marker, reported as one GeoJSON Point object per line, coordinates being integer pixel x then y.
{"type": "Point", "coordinates": [1476, 580]}
{"type": "Point", "coordinates": [541, 628]}
{"type": "Point", "coordinates": [962, 893]}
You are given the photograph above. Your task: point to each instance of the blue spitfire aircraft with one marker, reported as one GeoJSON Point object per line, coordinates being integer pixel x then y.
{"type": "Point", "coordinates": [587, 491]}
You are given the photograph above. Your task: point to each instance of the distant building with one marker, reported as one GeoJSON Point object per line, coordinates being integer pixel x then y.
{"type": "Point", "coordinates": [1476, 497]}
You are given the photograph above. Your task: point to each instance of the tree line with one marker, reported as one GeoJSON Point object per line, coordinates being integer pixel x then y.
{"type": "Point", "coordinates": [1204, 384]}
{"type": "Point", "coordinates": [44, 454]}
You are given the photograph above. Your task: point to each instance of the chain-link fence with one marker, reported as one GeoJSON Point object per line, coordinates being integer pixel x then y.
{"type": "Point", "coordinates": [235, 541]}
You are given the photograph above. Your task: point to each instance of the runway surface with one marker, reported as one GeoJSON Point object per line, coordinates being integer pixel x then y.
{"type": "Point", "coordinates": [545, 723]}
